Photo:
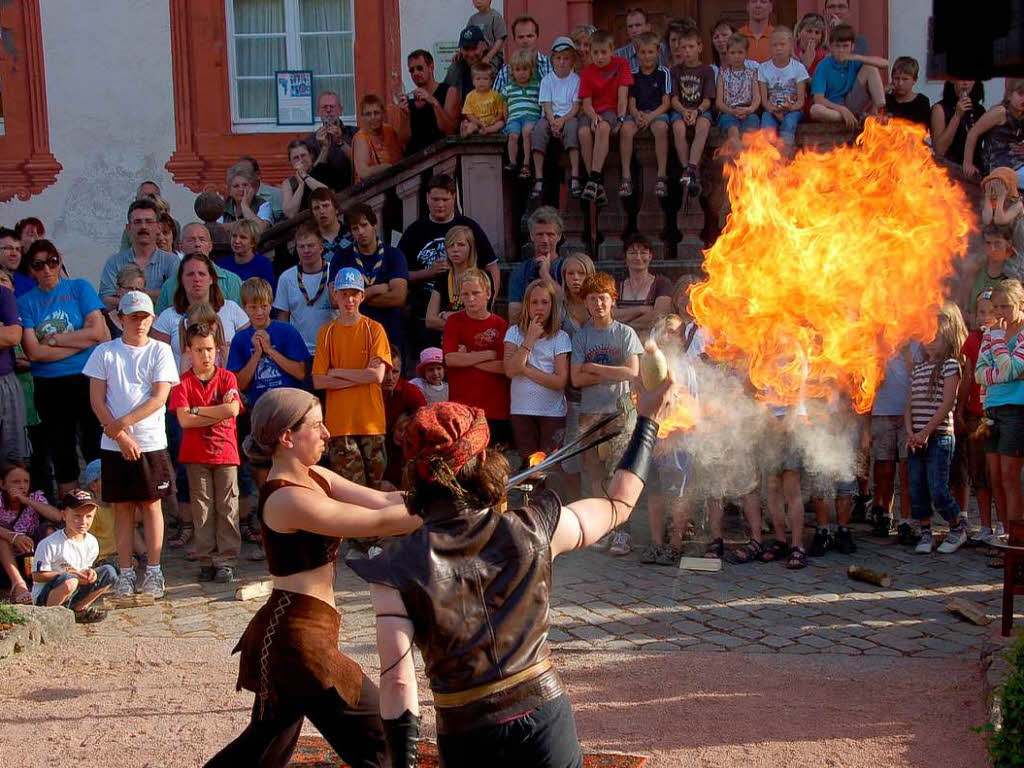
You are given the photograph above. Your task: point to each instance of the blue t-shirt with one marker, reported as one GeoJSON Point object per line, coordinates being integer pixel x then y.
{"type": "Point", "coordinates": [894, 391]}
{"type": "Point", "coordinates": [377, 270]}
{"type": "Point", "coordinates": [525, 273]}
{"type": "Point", "coordinates": [834, 80]}
{"type": "Point", "coordinates": [8, 316]}
{"type": "Point", "coordinates": [58, 311]}
{"type": "Point", "coordinates": [286, 339]}
{"type": "Point", "coordinates": [258, 266]}
{"type": "Point", "coordinates": [22, 283]}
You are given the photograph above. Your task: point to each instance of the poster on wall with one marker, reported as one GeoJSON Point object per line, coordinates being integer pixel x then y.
{"type": "Point", "coordinates": [294, 96]}
{"type": "Point", "coordinates": [443, 53]}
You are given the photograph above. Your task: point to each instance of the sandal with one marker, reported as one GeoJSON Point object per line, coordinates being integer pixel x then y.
{"type": "Point", "coordinates": [185, 534]}
{"type": "Point", "coordinates": [22, 596]}
{"type": "Point", "coordinates": [525, 172]}
{"type": "Point", "coordinates": [669, 556]}
{"type": "Point", "coordinates": [774, 551]}
{"type": "Point", "coordinates": [510, 166]}
{"type": "Point", "coordinates": [589, 192]}
{"type": "Point", "coordinates": [748, 553]}
{"type": "Point", "coordinates": [626, 187]}
{"type": "Point", "coordinates": [661, 187]}
{"type": "Point", "coordinates": [89, 615]}
{"type": "Point", "coordinates": [538, 189]}
{"type": "Point", "coordinates": [797, 558]}
{"type": "Point", "coordinates": [575, 188]}
{"type": "Point", "coordinates": [251, 533]}
{"type": "Point", "coordinates": [715, 550]}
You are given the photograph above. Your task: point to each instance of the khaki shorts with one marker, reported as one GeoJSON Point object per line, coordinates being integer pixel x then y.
{"type": "Point", "coordinates": [888, 438]}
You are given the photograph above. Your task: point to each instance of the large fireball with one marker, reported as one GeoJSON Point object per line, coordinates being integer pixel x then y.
{"type": "Point", "coordinates": [830, 263]}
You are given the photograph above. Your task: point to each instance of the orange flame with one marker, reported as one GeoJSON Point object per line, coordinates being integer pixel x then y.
{"type": "Point", "coordinates": [535, 458]}
{"type": "Point", "coordinates": [681, 416]}
{"type": "Point", "coordinates": [832, 262]}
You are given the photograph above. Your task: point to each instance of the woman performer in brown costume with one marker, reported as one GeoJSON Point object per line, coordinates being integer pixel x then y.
{"type": "Point", "coordinates": [290, 657]}
{"type": "Point", "coordinates": [471, 588]}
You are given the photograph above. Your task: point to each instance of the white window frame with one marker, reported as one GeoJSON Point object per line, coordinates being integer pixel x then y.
{"type": "Point", "coordinates": [293, 53]}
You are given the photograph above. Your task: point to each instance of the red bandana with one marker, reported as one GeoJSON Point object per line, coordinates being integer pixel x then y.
{"type": "Point", "coordinates": [447, 434]}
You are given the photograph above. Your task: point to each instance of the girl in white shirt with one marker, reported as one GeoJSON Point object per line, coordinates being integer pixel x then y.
{"type": "Point", "coordinates": [537, 361]}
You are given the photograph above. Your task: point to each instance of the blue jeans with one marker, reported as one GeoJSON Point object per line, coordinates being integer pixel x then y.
{"type": "Point", "coordinates": [105, 577]}
{"type": "Point", "coordinates": [747, 124]}
{"type": "Point", "coordinates": [790, 120]}
{"type": "Point", "coordinates": [929, 480]}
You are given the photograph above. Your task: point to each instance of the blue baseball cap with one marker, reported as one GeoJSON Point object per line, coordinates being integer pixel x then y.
{"type": "Point", "coordinates": [349, 279]}
{"type": "Point", "coordinates": [90, 474]}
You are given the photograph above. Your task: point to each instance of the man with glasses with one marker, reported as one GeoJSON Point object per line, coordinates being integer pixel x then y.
{"type": "Point", "coordinates": [195, 238]}
{"type": "Point", "coordinates": [838, 12]}
{"type": "Point", "coordinates": [433, 111]}
{"type": "Point", "coordinates": [335, 135]}
{"type": "Point", "coordinates": [10, 261]}
{"type": "Point", "coordinates": [159, 266]}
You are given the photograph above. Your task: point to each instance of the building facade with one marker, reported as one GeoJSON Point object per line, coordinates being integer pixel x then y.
{"type": "Point", "coordinates": [98, 96]}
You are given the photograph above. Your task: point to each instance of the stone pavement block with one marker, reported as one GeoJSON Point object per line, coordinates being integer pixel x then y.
{"type": "Point", "coordinates": [816, 641]}
{"type": "Point", "coordinates": [588, 632]}
{"type": "Point", "coordinates": [704, 648]}
{"type": "Point", "coordinates": [774, 641]}
{"type": "Point", "coordinates": [721, 638]}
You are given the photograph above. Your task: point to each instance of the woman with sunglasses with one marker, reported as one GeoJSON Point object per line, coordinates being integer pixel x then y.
{"type": "Point", "coordinates": [63, 322]}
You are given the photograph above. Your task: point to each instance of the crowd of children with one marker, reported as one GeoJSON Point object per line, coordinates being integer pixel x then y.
{"type": "Point", "coordinates": [171, 390]}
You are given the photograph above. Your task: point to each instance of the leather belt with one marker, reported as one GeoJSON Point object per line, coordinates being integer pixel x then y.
{"type": "Point", "coordinates": [461, 698]}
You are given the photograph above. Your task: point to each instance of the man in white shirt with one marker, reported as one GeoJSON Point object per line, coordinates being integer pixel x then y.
{"type": "Point", "coordinates": [303, 297]}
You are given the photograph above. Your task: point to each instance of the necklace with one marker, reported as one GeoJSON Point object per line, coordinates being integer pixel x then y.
{"type": "Point", "coordinates": [320, 289]}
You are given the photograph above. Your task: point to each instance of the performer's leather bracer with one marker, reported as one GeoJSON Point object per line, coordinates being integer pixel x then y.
{"type": "Point", "coordinates": [477, 585]}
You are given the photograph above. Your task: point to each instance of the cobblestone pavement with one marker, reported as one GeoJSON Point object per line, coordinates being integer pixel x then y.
{"type": "Point", "coordinates": [602, 602]}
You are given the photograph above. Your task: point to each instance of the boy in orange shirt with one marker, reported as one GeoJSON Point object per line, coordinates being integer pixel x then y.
{"type": "Point", "coordinates": [352, 355]}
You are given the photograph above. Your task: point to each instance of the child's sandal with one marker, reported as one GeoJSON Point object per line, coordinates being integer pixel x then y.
{"type": "Point", "coordinates": [626, 187]}
{"type": "Point", "coordinates": [715, 550]}
{"type": "Point", "coordinates": [748, 553]}
{"type": "Point", "coordinates": [774, 551]}
{"type": "Point", "coordinates": [537, 190]}
{"type": "Point", "coordinates": [575, 188]}
{"type": "Point", "coordinates": [525, 172]}
{"type": "Point", "coordinates": [20, 595]}
{"type": "Point", "coordinates": [797, 558]}
{"type": "Point", "coordinates": [661, 187]}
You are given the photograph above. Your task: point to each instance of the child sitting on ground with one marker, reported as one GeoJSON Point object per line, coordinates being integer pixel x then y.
{"type": "Point", "coordinates": [560, 103]}
{"type": "Point", "coordinates": [63, 572]}
{"type": "Point", "coordinates": [604, 93]}
{"type": "Point", "coordinates": [484, 111]}
{"type": "Point", "coordinates": [902, 101]}
{"type": "Point", "coordinates": [1002, 129]}
{"type": "Point", "coordinates": [206, 402]}
{"type": "Point", "coordinates": [430, 375]}
{"type": "Point", "coordinates": [692, 95]}
{"type": "Point", "coordinates": [1002, 205]}
{"type": "Point", "coordinates": [847, 86]}
{"type": "Point", "coordinates": [25, 519]}
{"type": "Point", "coordinates": [929, 425]}
{"type": "Point", "coordinates": [738, 96]}
{"type": "Point", "coordinates": [522, 109]}
{"type": "Point", "coordinates": [783, 84]}
{"type": "Point", "coordinates": [650, 98]}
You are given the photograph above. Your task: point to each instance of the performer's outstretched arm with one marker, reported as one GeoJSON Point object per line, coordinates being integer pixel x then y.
{"type": "Point", "coordinates": [294, 508]}
{"type": "Point", "coordinates": [399, 702]}
{"type": "Point", "coordinates": [353, 493]}
{"type": "Point", "coordinates": [585, 521]}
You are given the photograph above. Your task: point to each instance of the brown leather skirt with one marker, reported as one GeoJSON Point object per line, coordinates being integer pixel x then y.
{"type": "Point", "coordinates": [290, 650]}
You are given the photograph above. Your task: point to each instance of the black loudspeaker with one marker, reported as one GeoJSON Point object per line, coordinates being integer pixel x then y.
{"type": "Point", "coordinates": [976, 40]}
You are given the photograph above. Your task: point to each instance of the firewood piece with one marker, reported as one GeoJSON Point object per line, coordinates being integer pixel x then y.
{"type": "Point", "coordinates": [254, 590]}
{"type": "Point", "coordinates": [971, 611]}
{"type": "Point", "coordinates": [871, 577]}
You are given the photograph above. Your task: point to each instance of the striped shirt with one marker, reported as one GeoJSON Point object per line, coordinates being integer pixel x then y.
{"type": "Point", "coordinates": [1000, 367]}
{"type": "Point", "coordinates": [505, 73]}
{"type": "Point", "coordinates": [926, 399]}
{"type": "Point", "coordinates": [523, 100]}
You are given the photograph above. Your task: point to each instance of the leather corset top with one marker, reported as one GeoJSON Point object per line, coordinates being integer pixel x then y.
{"type": "Point", "coordinates": [289, 553]}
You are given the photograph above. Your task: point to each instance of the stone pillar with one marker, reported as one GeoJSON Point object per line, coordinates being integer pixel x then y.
{"type": "Point", "coordinates": [650, 218]}
{"type": "Point", "coordinates": [408, 193]}
{"type": "Point", "coordinates": [483, 199]}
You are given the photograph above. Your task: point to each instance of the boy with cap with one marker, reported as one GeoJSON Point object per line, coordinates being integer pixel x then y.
{"type": "Point", "coordinates": [352, 356]}
{"type": "Point", "coordinates": [560, 103]}
{"type": "Point", "coordinates": [63, 572]}
{"type": "Point", "coordinates": [131, 378]}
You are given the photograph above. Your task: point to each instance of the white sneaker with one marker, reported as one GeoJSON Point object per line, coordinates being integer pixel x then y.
{"type": "Point", "coordinates": [125, 585]}
{"type": "Point", "coordinates": [927, 543]}
{"type": "Point", "coordinates": [997, 529]}
{"type": "Point", "coordinates": [954, 540]}
{"type": "Point", "coordinates": [621, 544]}
{"type": "Point", "coordinates": [981, 536]}
{"type": "Point", "coordinates": [602, 544]}
{"type": "Point", "coordinates": [153, 583]}
{"type": "Point", "coordinates": [373, 551]}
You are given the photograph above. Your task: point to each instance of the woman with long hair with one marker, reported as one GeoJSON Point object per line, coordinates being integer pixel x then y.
{"type": "Point", "coordinates": [472, 589]}
{"type": "Point", "coordinates": [961, 106]}
{"type": "Point", "coordinates": [289, 651]}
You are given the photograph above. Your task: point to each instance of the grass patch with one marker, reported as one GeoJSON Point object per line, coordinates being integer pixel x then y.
{"type": "Point", "coordinates": [9, 615]}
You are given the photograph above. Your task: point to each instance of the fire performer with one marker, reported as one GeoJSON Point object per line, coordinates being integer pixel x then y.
{"type": "Point", "coordinates": [471, 588]}
{"type": "Point", "coordinates": [290, 657]}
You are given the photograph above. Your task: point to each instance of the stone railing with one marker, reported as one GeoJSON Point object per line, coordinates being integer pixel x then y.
{"type": "Point", "coordinates": [500, 203]}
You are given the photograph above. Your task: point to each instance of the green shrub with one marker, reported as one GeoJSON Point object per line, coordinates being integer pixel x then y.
{"type": "Point", "coordinates": [10, 615]}
{"type": "Point", "coordinates": [1006, 745]}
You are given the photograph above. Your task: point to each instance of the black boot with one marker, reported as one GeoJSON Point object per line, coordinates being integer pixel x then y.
{"type": "Point", "coordinates": [881, 522]}
{"type": "Point", "coordinates": [860, 509]}
{"type": "Point", "coordinates": [844, 541]}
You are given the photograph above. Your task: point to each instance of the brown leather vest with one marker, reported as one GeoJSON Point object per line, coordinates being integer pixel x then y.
{"type": "Point", "coordinates": [477, 586]}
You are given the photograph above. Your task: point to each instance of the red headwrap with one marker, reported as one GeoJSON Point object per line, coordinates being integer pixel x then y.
{"type": "Point", "coordinates": [442, 437]}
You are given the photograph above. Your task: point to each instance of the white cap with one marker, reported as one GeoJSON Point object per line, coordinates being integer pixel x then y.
{"type": "Point", "coordinates": [135, 301]}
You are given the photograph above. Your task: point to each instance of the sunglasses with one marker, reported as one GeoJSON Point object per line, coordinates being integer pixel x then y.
{"type": "Point", "coordinates": [53, 262]}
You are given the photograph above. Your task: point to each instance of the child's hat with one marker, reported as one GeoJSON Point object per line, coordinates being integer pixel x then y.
{"type": "Point", "coordinates": [1006, 175]}
{"type": "Point", "coordinates": [135, 301]}
{"type": "Point", "coordinates": [349, 279]}
{"type": "Point", "coordinates": [90, 474]}
{"type": "Point", "coordinates": [563, 44]}
{"type": "Point", "coordinates": [77, 499]}
{"type": "Point", "coordinates": [471, 37]}
{"type": "Point", "coordinates": [429, 356]}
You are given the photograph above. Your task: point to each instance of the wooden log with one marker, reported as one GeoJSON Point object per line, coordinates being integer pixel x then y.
{"type": "Point", "coordinates": [700, 564]}
{"type": "Point", "coordinates": [871, 577]}
{"type": "Point", "coordinates": [128, 601]}
{"type": "Point", "coordinates": [973, 612]}
{"type": "Point", "coordinates": [254, 590]}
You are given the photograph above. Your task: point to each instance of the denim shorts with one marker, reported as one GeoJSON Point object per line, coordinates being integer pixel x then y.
{"type": "Point", "coordinates": [518, 125]}
{"type": "Point", "coordinates": [1006, 434]}
{"type": "Point", "coordinates": [749, 123]}
{"type": "Point", "coordinates": [675, 117]}
{"type": "Point", "coordinates": [669, 475]}
{"type": "Point", "coordinates": [106, 575]}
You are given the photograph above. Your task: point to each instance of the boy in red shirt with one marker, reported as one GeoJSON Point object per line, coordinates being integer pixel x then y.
{"type": "Point", "coordinates": [474, 345]}
{"type": "Point", "coordinates": [604, 93]}
{"type": "Point", "coordinates": [207, 402]}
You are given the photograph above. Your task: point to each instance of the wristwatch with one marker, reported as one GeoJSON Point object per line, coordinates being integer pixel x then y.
{"type": "Point", "coordinates": [194, 410]}
{"type": "Point", "coordinates": [622, 118]}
